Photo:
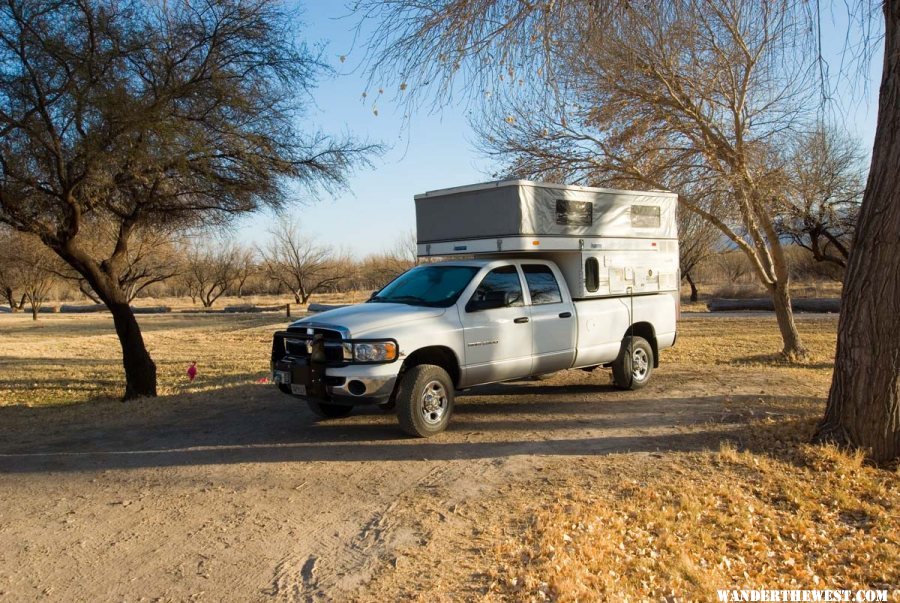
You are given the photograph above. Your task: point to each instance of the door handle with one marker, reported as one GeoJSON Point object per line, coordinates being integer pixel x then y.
{"type": "Point", "coordinates": [565, 315]}
{"type": "Point", "coordinates": [521, 320]}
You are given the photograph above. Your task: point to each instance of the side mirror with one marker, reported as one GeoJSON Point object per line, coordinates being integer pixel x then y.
{"type": "Point", "coordinates": [374, 293]}
{"type": "Point", "coordinates": [492, 300]}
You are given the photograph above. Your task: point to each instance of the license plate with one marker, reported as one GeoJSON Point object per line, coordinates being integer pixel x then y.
{"type": "Point", "coordinates": [299, 390]}
{"type": "Point", "coordinates": [283, 377]}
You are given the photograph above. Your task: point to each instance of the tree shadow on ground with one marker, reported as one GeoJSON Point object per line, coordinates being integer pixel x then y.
{"type": "Point", "coordinates": [257, 424]}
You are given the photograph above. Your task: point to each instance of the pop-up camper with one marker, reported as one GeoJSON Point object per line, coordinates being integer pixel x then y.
{"type": "Point", "coordinates": [605, 241]}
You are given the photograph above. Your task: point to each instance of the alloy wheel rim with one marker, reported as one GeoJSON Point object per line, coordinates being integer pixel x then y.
{"type": "Point", "coordinates": [434, 402]}
{"type": "Point", "coordinates": [640, 364]}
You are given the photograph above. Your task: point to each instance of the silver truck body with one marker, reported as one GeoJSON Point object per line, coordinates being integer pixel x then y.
{"type": "Point", "coordinates": [565, 304]}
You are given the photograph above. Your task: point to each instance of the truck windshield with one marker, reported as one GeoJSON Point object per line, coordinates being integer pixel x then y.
{"type": "Point", "coordinates": [433, 286]}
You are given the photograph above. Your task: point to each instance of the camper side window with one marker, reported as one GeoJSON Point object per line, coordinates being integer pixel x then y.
{"type": "Point", "coordinates": [645, 216]}
{"type": "Point", "coordinates": [542, 284]}
{"type": "Point", "coordinates": [591, 274]}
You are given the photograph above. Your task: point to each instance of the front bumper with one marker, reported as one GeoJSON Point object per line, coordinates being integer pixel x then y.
{"type": "Point", "coordinates": [349, 385]}
{"type": "Point", "coordinates": [313, 368]}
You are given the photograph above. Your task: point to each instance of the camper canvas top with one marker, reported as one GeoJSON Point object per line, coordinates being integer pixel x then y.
{"type": "Point", "coordinates": [557, 215]}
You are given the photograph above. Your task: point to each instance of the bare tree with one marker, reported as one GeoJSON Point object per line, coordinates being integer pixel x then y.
{"type": "Point", "coordinates": [733, 264]}
{"type": "Point", "coordinates": [863, 409]}
{"type": "Point", "coordinates": [691, 96]}
{"type": "Point", "coordinates": [149, 259]}
{"type": "Point", "coordinates": [299, 263]}
{"type": "Point", "coordinates": [25, 261]}
{"type": "Point", "coordinates": [138, 114]}
{"type": "Point", "coordinates": [406, 249]}
{"type": "Point", "coordinates": [696, 243]}
{"type": "Point", "coordinates": [10, 284]}
{"type": "Point", "coordinates": [826, 178]}
{"type": "Point", "coordinates": [210, 269]}
{"type": "Point", "coordinates": [247, 268]}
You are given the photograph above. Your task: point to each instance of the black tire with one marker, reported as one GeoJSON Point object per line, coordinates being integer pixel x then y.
{"type": "Point", "coordinates": [323, 410]}
{"type": "Point", "coordinates": [624, 375]}
{"type": "Point", "coordinates": [415, 417]}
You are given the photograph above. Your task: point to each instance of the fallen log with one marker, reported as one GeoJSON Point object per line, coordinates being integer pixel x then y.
{"type": "Point", "coordinates": [250, 309]}
{"type": "Point", "coordinates": [151, 309]}
{"type": "Point", "coordinates": [74, 309]}
{"type": "Point", "coordinates": [764, 304]}
{"type": "Point", "coordinates": [323, 307]}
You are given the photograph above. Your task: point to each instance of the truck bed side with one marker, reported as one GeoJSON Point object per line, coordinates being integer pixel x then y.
{"type": "Point", "coordinates": [602, 323]}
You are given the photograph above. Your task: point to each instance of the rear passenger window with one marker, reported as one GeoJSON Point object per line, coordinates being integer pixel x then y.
{"type": "Point", "coordinates": [541, 284]}
{"type": "Point", "coordinates": [591, 274]}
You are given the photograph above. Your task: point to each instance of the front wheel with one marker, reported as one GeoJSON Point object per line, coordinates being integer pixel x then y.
{"type": "Point", "coordinates": [323, 410]}
{"type": "Point", "coordinates": [424, 400]}
{"type": "Point", "coordinates": [632, 369]}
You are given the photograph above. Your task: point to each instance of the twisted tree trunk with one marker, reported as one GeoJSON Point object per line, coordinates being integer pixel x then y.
{"type": "Point", "coordinates": [140, 370]}
{"type": "Point", "coordinates": [694, 294]}
{"type": "Point", "coordinates": [863, 409]}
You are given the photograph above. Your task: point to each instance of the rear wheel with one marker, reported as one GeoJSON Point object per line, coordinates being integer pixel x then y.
{"type": "Point", "coordinates": [633, 367]}
{"type": "Point", "coordinates": [323, 410]}
{"type": "Point", "coordinates": [424, 400]}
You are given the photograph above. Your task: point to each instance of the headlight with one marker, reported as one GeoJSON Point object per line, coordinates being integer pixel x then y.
{"type": "Point", "coordinates": [376, 351]}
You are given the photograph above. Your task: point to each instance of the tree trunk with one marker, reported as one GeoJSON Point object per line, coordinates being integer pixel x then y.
{"type": "Point", "coordinates": [863, 409]}
{"type": "Point", "coordinates": [34, 312]}
{"type": "Point", "coordinates": [140, 370]}
{"type": "Point", "coordinates": [10, 298]}
{"type": "Point", "coordinates": [88, 292]}
{"type": "Point", "coordinates": [690, 281]}
{"type": "Point", "coordinates": [784, 314]}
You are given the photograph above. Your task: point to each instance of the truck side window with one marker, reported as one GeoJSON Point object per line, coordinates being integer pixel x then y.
{"type": "Point", "coordinates": [541, 284]}
{"type": "Point", "coordinates": [500, 280]}
{"type": "Point", "coordinates": [591, 274]}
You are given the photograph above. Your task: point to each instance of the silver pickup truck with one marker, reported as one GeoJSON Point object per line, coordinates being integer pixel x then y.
{"type": "Point", "coordinates": [444, 327]}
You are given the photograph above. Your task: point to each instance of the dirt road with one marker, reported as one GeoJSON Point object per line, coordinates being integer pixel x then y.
{"type": "Point", "coordinates": [237, 494]}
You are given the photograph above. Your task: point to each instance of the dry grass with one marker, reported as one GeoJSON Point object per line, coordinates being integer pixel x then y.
{"type": "Point", "coordinates": [764, 511]}
{"type": "Point", "coordinates": [753, 342]}
{"type": "Point", "coordinates": [66, 359]}
{"type": "Point", "coordinates": [682, 527]}
{"type": "Point", "coordinates": [75, 358]}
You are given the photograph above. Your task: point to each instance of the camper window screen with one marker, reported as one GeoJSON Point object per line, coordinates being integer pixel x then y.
{"type": "Point", "coordinates": [574, 213]}
{"type": "Point", "coordinates": [645, 216]}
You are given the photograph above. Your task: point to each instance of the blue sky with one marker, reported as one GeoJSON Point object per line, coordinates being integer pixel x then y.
{"type": "Point", "coordinates": [428, 150]}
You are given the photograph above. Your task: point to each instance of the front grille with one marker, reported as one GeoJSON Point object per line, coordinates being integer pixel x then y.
{"type": "Point", "coordinates": [296, 343]}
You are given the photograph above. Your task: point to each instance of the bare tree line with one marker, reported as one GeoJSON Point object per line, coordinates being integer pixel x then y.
{"type": "Point", "coordinates": [205, 268]}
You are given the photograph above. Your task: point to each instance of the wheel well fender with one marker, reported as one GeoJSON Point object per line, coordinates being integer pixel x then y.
{"type": "Point", "coordinates": [441, 356]}
{"type": "Point", "coordinates": [645, 330]}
